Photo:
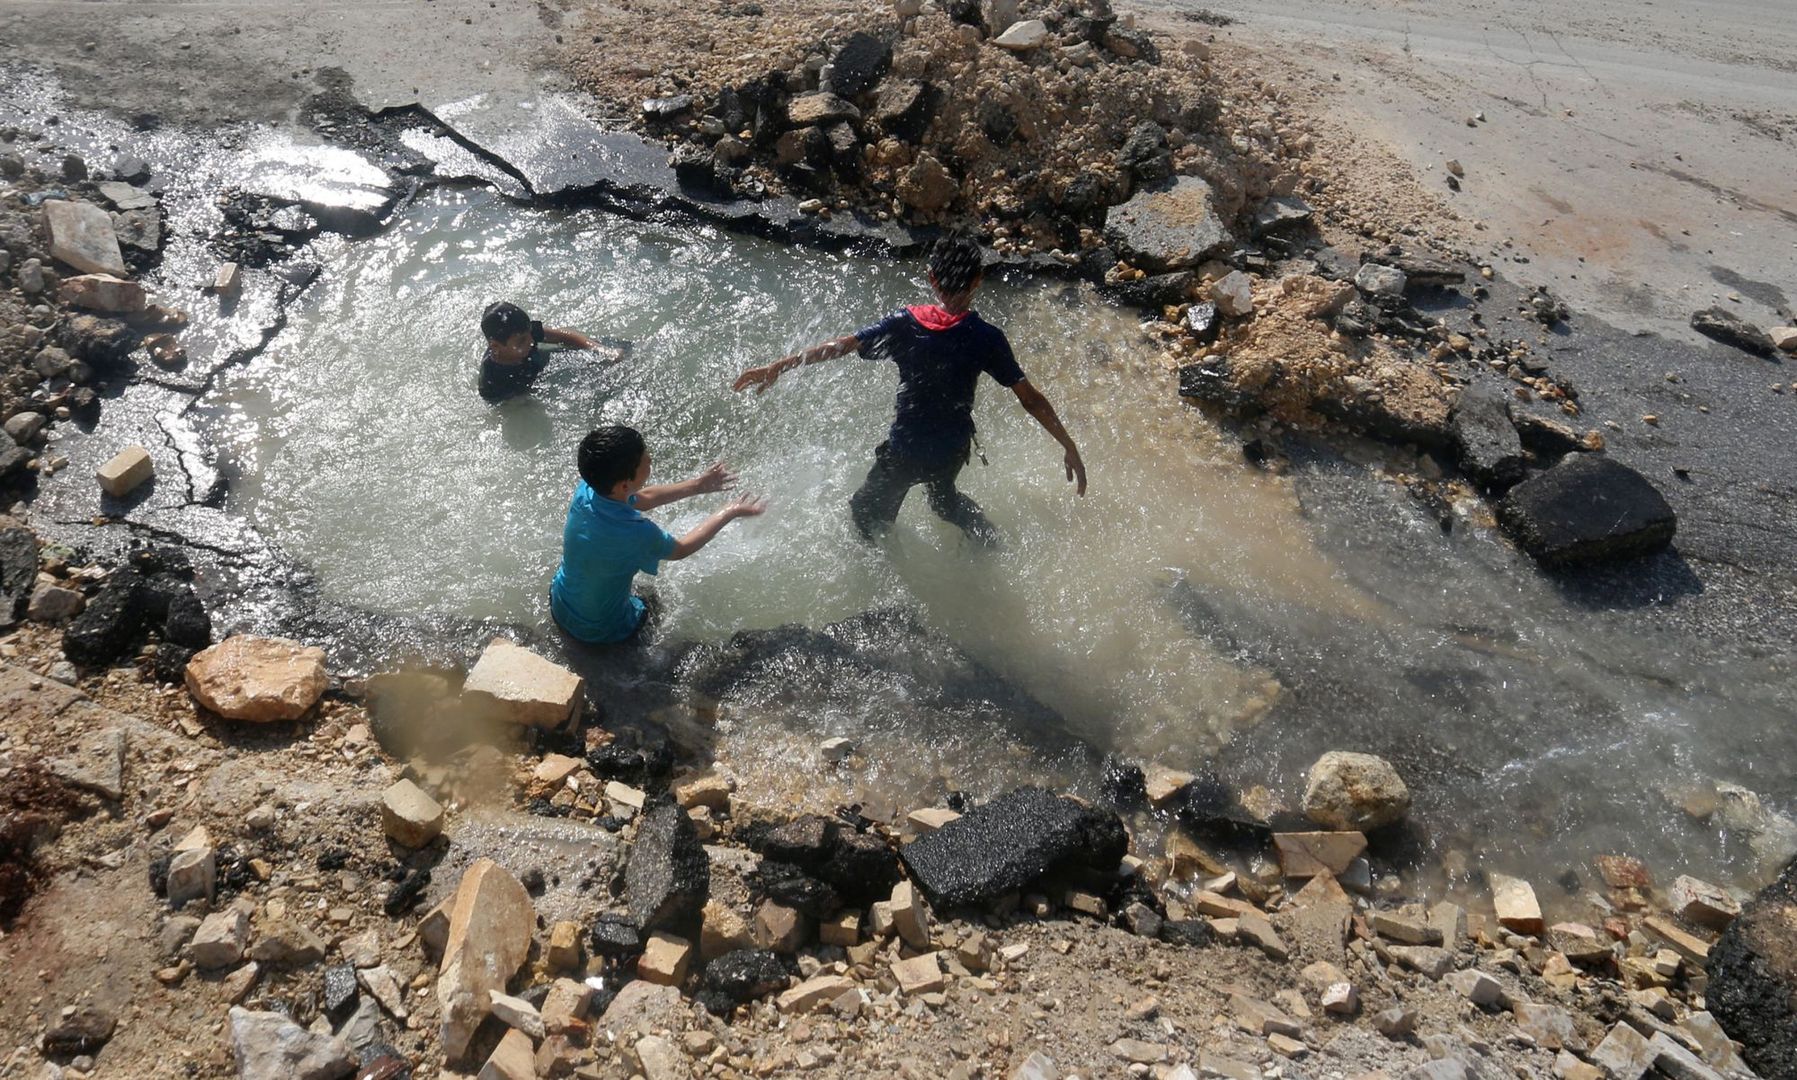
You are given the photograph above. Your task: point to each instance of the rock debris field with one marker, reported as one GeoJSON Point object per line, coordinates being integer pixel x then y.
{"type": "Point", "coordinates": [226, 852]}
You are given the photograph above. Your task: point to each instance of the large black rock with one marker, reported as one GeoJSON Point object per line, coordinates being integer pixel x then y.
{"type": "Point", "coordinates": [110, 625]}
{"type": "Point", "coordinates": [786, 884]}
{"type": "Point", "coordinates": [1155, 291]}
{"type": "Point", "coordinates": [739, 977]}
{"type": "Point", "coordinates": [18, 573]}
{"type": "Point", "coordinates": [668, 876]}
{"type": "Point", "coordinates": [860, 64]}
{"type": "Point", "coordinates": [805, 841]}
{"type": "Point", "coordinates": [1753, 979]}
{"type": "Point", "coordinates": [1010, 843]}
{"type": "Point", "coordinates": [1588, 508]}
{"type": "Point", "coordinates": [904, 108]}
{"type": "Point", "coordinates": [861, 867]}
{"type": "Point", "coordinates": [1490, 449]}
{"type": "Point", "coordinates": [187, 623]}
{"type": "Point", "coordinates": [14, 457]}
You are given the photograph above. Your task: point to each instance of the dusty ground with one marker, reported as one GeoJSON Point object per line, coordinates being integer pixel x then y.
{"type": "Point", "coordinates": [1634, 157]}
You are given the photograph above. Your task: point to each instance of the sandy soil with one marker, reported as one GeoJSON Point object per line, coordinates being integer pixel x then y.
{"type": "Point", "coordinates": [1638, 156]}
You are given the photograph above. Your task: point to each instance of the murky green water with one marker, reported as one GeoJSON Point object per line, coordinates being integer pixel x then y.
{"type": "Point", "coordinates": [1184, 609]}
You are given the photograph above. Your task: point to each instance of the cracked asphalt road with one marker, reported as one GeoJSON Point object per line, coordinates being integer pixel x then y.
{"type": "Point", "coordinates": [1640, 155]}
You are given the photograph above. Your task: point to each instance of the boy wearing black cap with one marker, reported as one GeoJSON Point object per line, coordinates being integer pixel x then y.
{"type": "Point", "coordinates": [513, 358]}
{"type": "Point", "coordinates": [940, 350]}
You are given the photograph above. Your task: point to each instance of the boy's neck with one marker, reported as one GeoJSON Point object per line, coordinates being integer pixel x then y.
{"type": "Point", "coordinates": [616, 496]}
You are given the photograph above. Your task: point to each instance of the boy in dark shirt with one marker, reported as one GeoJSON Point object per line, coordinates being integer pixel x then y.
{"type": "Point", "coordinates": [940, 350]}
{"type": "Point", "coordinates": [514, 358]}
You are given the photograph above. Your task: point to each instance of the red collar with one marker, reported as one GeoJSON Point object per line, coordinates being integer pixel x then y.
{"type": "Point", "coordinates": [932, 317]}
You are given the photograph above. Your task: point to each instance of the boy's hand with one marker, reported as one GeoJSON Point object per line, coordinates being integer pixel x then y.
{"type": "Point", "coordinates": [1076, 471]}
{"type": "Point", "coordinates": [747, 506]}
{"type": "Point", "coordinates": [759, 377]}
{"type": "Point", "coordinates": [716, 478]}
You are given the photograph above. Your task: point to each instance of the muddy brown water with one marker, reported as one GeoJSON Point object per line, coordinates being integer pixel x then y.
{"type": "Point", "coordinates": [1191, 609]}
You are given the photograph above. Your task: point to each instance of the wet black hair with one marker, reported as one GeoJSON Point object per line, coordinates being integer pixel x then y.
{"type": "Point", "coordinates": [610, 454]}
{"type": "Point", "coordinates": [503, 320]}
{"type": "Point", "coordinates": [956, 262]}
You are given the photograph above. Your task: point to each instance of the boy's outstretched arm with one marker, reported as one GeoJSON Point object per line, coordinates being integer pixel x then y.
{"type": "Point", "coordinates": [747, 506]}
{"type": "Point", "coordinates": [573, 339]}
{"type": "Point", "coordinates": [1039, 407]}
{"type": "Point", "coordinates": [763, 377]}
{"type": "Point", "coordinates": [716, 478]}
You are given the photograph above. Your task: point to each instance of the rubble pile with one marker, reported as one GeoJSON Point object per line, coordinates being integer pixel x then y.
{"type": "Point", "coordinates": [1028, 121]}
{"type": "Point", "coordinates": [729, 939]}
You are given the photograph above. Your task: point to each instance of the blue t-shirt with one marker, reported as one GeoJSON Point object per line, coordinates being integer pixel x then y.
{"type": "Point", "coordinates": [604, 544]}
{"type": "Point", "coordinates": [938, 372]}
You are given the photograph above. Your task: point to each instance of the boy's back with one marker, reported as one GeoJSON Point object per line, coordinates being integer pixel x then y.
{"type": "Point", "coordinates": [940, 360]}
{"type": "Point", "coordinates": [605, 543]}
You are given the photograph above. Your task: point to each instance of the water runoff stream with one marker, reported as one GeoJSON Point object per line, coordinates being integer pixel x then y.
{"type": "Point", "coordinates": [1191, 609]}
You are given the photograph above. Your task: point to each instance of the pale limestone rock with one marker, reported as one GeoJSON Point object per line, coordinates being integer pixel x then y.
{"type": "Point", "coordinates": [192, 875]}
{"type": "Point", "coordinates": [910, 919]}
{"type": "Point", "coordinates": [1396, 926]}
{"type": "Point", "coordinates": [919, 975]}
{"type": "Point", "coordinates": [518, 1014]}
{"type": "Point", "coordinates": [722, 929]}
{"type": "Point", "coordinates": [513, 1059]}
{"type": "Point", "coordinates": [259, 680]}
{"type": "Point", "coordinates": [660, 1059]}
{"type": "Point", "coordinates": [103, 292]}
{"type": "Point", "coordinates": [409, 816]}
{"type": "Point", "coordinates": [708, 789]}
{"type": "Point", "coordinates": [1163, 784]}
{"type": "Point", "coordinates": [926, 821]}
{"type": "Point", "coordinates": [1303, 855]}
{"type": "Point", "coordinates": [842, 930]}
{"type": "Point", "coordinates": [1025, 36]}
{"type": "Point", "coordinates": [125, 471]}
{"type": "Point", "coordinates": [1702, 903]}
{"type": "Point", "coordinates": [815, 994]}
{"type": "Point", "coordinates": [220, 940]}
{"type": "Point", "coordinates": [82, 236]}
{"type": "Point", "coordinates": [778, 928]}
{"type": "Point", "coordinates": [1424, 959]}
{"type": "Point", "coordinates": [268, 1046]}
{"type": "Point", "coordinates": [1349, 791]}
{"type": "Point", "coordinates": [512, 683]}
{"type": "Point", "coordinates": [665, 959]}
{"type": "Point", "coordinates": [490, 924]}
{"type": "Point", "coordinates": [563, 951]}
{"type": "Point", "coordinates": [1234, 294]}
{"type": "Point", "coordinates": [1517, 908]}
{"type": "Point", "coordinates": [1478, 987]}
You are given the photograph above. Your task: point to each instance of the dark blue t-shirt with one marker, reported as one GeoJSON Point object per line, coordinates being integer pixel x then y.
{"type": "Point", "coordinates": [500, 381]}
{"type": "Point", "coordinates": [938, 372]}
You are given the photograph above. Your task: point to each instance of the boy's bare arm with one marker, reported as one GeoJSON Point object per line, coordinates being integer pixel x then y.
{"type": "Point", "coordinates": [748, 506]}
{"type": "Point", "coordinates": [716, 478]}
{"type": "Point", "coordinates": [763, 377]}
{"type": "Point", "coordinates": [1038, 406]}
{"type": "Point", "coordinates": [573, 339]}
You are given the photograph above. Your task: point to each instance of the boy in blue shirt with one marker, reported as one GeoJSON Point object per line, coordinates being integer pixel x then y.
{"type": "Point", "coordinates": [607, 540]}
{"type": "Point", "coordinates": [941, 350]}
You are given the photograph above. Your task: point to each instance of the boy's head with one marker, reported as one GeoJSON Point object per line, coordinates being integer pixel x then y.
{"type": "Point", "coordinates": [507, 330]}
{"type": "Point", "coordinates": [956, 266]}
{"type": "Point", "coordinates": [613, 456]}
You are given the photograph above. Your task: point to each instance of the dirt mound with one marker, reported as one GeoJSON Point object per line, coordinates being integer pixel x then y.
{"type": "Point", "coordinates": [1033, 145]}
